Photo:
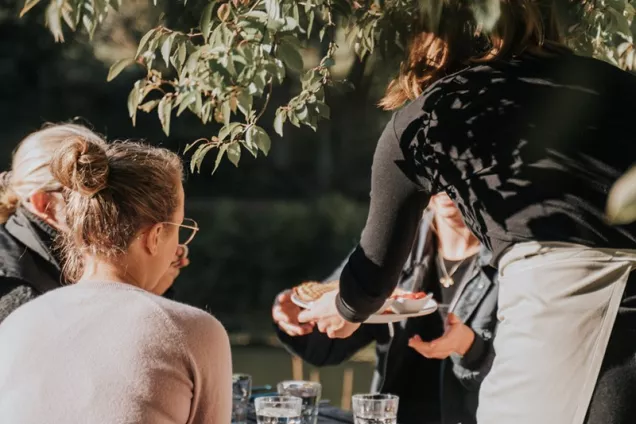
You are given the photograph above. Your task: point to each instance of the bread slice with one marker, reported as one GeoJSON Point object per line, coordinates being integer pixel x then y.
{"type": "Point", "coordinates": [311, 291]}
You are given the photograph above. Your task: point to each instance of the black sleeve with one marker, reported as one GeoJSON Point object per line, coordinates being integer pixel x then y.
{"type": "Point", "coordinates": [396, 208]}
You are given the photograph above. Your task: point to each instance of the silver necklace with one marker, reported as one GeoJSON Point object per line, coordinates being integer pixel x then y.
{"type": "Point", "coordinates": [447, 279]}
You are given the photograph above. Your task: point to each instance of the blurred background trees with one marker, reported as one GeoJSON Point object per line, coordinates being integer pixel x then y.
{"type": "Point", "coordinates": [273, 222]}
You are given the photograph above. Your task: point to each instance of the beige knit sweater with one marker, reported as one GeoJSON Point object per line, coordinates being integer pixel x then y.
{"type": "Point", "coordinates": [107, 352]}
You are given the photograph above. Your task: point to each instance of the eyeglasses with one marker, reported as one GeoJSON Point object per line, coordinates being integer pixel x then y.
{"type": "Point", "coordinates": [187, 230]}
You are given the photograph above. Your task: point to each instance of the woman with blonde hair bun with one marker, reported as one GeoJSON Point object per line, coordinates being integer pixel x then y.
{"type": "Point", "coordinates": [32, 213]}
{"type": "Point", "coordinates": [107, 348]}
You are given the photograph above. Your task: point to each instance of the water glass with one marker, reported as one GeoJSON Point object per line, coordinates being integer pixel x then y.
{"type": "Point", "coordinates": [241, 392]}
{"type": "Point", "coordinates": [278, 410]}
{"type": "Point", "coordinates": [375, 409]}
{"type": "Point", "coordinates": [309, 392]}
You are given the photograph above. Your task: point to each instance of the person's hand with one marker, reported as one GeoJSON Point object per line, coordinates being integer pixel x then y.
{"type": "Point", "coordinates": [323, 312]}
{"type": "Point", "coordinates": [285, 315]}
{"type": "Point", "coordinates": [180, 261]}
{"type": "Point", "coordinates": [457, 338]}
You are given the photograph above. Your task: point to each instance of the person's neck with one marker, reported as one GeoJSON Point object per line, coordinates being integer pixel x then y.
{"type": "Point", "coordinates": [455, 240]}
{"type": "Point", "coordinates": [97, 270]}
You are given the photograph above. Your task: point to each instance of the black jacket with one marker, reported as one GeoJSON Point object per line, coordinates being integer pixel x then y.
{"type": "Point", "coordinates": [430, 390]}
{"type": "Point", "coordinates": [28, 264]}
{"type": "Point", "coordinates": [28, 267]}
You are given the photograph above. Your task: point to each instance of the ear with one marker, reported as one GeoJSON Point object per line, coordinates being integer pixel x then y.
{"type": "Point", "coordinates": [153, 235]}
{"type": "Point", "coordinates": [40, 201]}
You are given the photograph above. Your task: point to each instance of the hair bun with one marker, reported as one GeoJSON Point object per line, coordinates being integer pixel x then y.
{"type": "Point", "coordinates": [82, 166]}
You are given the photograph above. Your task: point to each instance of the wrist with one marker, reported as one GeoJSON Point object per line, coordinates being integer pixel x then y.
{"type": "Point", "coordinates": [469, 340]}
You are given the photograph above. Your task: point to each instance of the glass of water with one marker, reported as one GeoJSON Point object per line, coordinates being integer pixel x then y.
{"type": "Point", "coordinates": [278, 410]}
{"type": "Point", "coordinates": [375, 409]}
{"type": "Point", "coordinates": [241, 392]}
{"type": "Point", "coordinates": [309, 392]}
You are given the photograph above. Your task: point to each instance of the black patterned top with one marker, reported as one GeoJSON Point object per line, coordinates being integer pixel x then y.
{"type": "Point", "coordinates": [528, 150]}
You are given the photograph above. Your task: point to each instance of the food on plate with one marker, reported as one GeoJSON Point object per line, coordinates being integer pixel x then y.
{"type": "Point", "coordinates": [310, 291]}
{"type": "Point", "coordinates": [402, 294]}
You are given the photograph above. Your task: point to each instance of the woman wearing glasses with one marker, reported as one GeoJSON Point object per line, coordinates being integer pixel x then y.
{"type": "Point", "coordinates": [107, 348]}
{"type": "Point", "coordinates": [32, 212]}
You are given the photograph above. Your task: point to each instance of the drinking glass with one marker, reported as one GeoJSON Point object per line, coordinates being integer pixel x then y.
{"type": "Point", "coordinates": [375, 409]}
{"type": "Point", "coordinates": [309, 392]}
{"type": "Point", "coordinates": [241, 392]}
{"type": "Point", "coordinates": [278, 410]}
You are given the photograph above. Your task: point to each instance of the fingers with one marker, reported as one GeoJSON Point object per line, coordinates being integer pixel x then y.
{"type": "Point", "coordinates": [295, 330]}
{"type": "Point", "coordinates": [285, 323]}
{"type": "Point", "coordinates": [431, 350]}
{"type": "Point", "coordinates": [453, 319]}
{"type": "Point", "coordinates": [308, 315]}
{"type": "Point", "coordinates": [284, 297]}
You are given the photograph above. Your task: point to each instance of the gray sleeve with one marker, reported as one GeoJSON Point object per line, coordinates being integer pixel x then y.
{"type": "Point", "coordinates": [16, 294]}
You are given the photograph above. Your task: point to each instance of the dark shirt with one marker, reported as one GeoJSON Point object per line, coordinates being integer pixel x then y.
{"type": "Point", "coordinates": [447, 294]}
{"type": "Point", "coordinates": [528, 149]}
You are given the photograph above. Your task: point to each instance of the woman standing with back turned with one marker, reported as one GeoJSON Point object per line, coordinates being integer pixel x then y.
{"type": "Point", "coordinates": [108, 348]}
{"type": "Point", "coordinates": [527, 139]}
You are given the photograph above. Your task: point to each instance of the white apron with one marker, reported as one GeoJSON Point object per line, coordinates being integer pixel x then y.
{"type": "Point", "coordinates": [557, 306]}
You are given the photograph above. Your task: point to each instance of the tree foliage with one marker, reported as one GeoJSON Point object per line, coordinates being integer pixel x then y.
{"type": "Point", "coordinates": [224, 68]}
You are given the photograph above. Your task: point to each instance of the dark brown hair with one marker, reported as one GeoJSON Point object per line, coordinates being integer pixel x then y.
{"type": "Point", "coordinates": [112, 192]}
{"type": "Point", "coordinates": [523, 25]}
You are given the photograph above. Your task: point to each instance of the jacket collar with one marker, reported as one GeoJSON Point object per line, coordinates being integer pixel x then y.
{"type": "Point", "coordinates": [34, 234]}
{"type": "Point", "coordinates": [477, 282]}
{"type": "Point", "coordinates": [38, 237]}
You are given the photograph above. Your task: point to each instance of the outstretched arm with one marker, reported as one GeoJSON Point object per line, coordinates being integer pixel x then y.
{"type": "Point", "coordinates": [395, 210]}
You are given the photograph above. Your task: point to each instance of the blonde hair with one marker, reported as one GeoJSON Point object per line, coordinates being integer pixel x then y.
{"type": "Point", "coordinates": [30, 166]}
{"type": "Point", "coordinates": [523, 25]}
{"type": "Point", "coordinates": [112, 191]}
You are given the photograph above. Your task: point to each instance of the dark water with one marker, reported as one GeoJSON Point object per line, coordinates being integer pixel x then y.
{"type": "Point", "coordinates": [270, 365]}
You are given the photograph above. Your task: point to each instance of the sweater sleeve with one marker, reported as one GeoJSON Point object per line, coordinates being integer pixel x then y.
{"type": "Point", "coordinates": [209, 348]}
{"type": "Point", "coordinates": [396, 206]}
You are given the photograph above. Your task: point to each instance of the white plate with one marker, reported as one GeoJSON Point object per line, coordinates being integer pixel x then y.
{"type": "Point", "coordinates": [429, 307]}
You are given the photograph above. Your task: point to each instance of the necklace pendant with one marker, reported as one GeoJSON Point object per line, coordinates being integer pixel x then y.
{"type": "Point", "coordinates": [446, 282]}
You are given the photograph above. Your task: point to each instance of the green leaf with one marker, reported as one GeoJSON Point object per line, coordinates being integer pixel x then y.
{"type": "Point", "coordinates": [244, 102]}
{"type": "Point", "coordinates": [281, 117]}
{"type": "Point", "coordinates": [187, 100]}
{"type": "Point", "coordinates": [293, 118]}
{"type": "Point", "coordinates": [257, 15]}
{"type": "Point", "coordinates": [134, 98]}
{"type": "Point", "coordinates": [191, 145]}
{"type": "Point", "coordinates": [206, 20]}
{"type": "Point", "coordinates": [322, 32]}
{"type": "Point", "coordinates": [166, 48]}
{"type": "Point", "coordinates": [165, 111]}
{"type": "Point", "coordinates": [327, 62]}
{"type": "Point", "coordinates": [227, 130]}
{"type": "Point", "coordinates": [323, 110]}
{"type": "Point", "coordinates": [250, 143]}
{"type": "Point", "coordinates": [290, 56]}
{"type": "Point", "coordinates": [28, 5]}
{"type": "Point", "coordinates": [302, 113]}
{"type": "Point", "coordinates": [219, 156]}
{"type": "Point", "coordinates": [310, 25]}
{"type": "Point", "coordinates": [273, 9]}
{"type": "Point", "coordinates": [262, 140]}
{"type": "Point", "coordinates": [227, 112]}
{"type": "Point", "coordinates": [290, 24]}
{"type": "Point", "coordinates": [621, 202]}
{"type": "Point", "coordinates": [54, 21]}
{"type": "Point", "coordinates": [180, 56]}
{"type": "Point", "coordinates": [223, 12]}
{"type": "Point", "coordinates": [144, 41]}
{"type": "Point", "coordinates": [199, 154]}
{"type": "Point", "coordinates": [234, 153]}
{"type": "Point", "coordinates": [117, 67]}
{"type": "Point", "coordinates": [149, 106]}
